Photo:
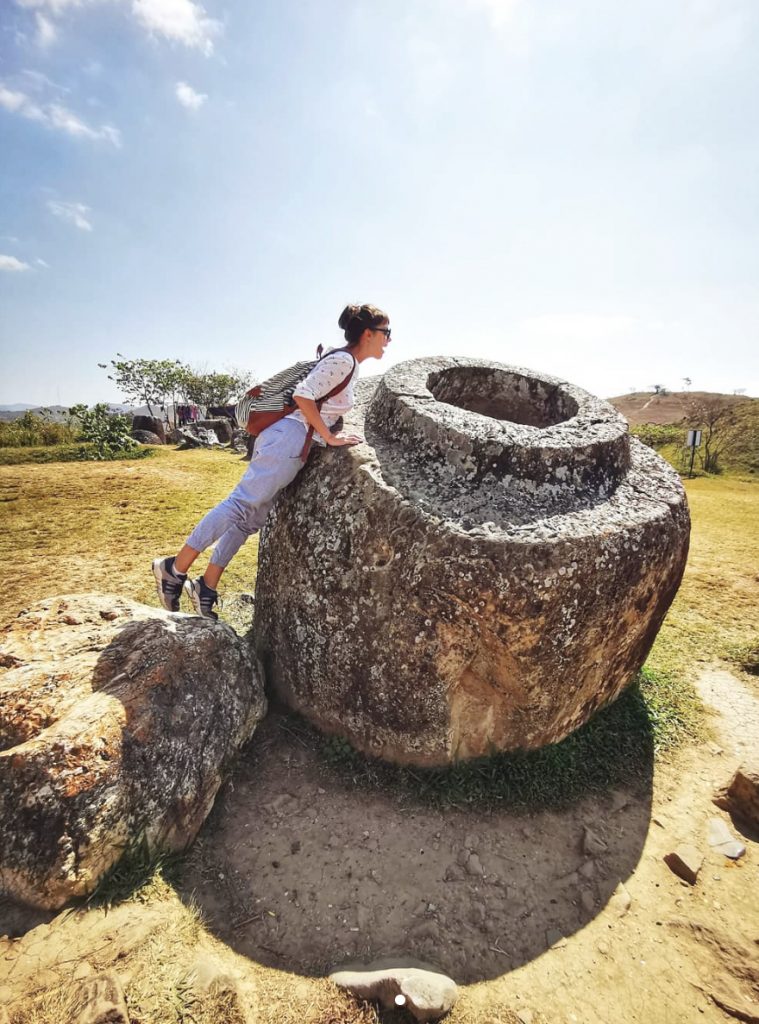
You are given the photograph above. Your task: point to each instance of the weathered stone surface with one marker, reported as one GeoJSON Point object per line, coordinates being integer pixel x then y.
{"type": "Point", "coordinates": [152, 424]}
{"type": "Point", "coordinates": [427, 993]}
{"type": "Point", "coordinates": [741, 795]}
{"type": "Point", "coordinates": [146, 437]}
{"type": "Point", "coordinates": [193, 436]}
{"type": "Point", "coordinates": [220, 426]}
{"type": "Point", "coordinates": [116, 720]}
{"type": "Point", "coordinates": [464, 583]}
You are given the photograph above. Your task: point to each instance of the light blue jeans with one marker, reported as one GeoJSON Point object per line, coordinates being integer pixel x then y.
{"type": "Point", "coordinates": [276, 461]}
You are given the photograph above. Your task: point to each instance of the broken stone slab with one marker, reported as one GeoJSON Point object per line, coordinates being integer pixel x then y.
{"type": "Point", "coordinates": [741, 795]}
{"type": "Point", "coordinates": [427, 993]}
{"type": "Point", "coordinates": [117, 722]}
{"type": "Point", "coordinates": [488, 570]}
{"type": "Point", "coordinates": [723, 841]}
{"type": "Point", "coordinates": [685, 862]}
{"type": "Point", "coordinates": [102, 1001]}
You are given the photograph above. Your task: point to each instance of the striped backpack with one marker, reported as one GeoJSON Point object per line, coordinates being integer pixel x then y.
{"type": "Point", "coordinates": [272, 400]}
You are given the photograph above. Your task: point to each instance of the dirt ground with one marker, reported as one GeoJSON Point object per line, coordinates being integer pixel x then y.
{"type": "Point", "coordinates": [570, 916]}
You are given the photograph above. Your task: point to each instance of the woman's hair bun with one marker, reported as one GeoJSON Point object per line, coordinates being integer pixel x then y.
{"type": "Point", "coordinates": [347, 315]}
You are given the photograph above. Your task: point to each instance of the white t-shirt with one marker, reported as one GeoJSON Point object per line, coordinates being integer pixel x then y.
{"type": "Point", "coordinates": [327, 374]}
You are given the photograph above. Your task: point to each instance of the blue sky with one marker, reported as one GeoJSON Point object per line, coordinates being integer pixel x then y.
{"type": "Point", "coordinates": [572, 187]}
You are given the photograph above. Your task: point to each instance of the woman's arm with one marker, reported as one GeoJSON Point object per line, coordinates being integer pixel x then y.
{"type": "Point", "coordinates": [312, 416]}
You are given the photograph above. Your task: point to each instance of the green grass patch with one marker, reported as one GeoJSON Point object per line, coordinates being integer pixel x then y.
{"type": "Point", "coordinates": [63, 453]}
{"type": "Point", "coordinates": [617, 746]}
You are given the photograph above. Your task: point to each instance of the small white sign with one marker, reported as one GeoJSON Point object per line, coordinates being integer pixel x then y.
{"type": "Point", "coordinates": [694, 438]}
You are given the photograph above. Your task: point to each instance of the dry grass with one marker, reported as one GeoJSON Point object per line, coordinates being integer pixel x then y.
{"type": "Point", "coordinates": [96, 526]}
{"type": "Point", "coordinates": [716, 612]}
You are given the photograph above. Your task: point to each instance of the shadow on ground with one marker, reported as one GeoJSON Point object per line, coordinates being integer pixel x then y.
{"type": "Point", "coordinates": [300, 868]}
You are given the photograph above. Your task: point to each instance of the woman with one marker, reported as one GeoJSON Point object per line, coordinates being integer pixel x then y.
{"type": "Point", "coordinates": [276, 461]}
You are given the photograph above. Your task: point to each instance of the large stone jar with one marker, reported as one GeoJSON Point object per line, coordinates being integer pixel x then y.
{"type": "Point", "coordinates": [483, 574]}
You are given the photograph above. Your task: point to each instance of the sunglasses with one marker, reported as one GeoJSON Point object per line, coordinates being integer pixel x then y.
{"type": "Point", "coordinates": [383, 330]}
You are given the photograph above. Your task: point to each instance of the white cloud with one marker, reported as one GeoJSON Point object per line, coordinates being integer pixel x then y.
{"type": "Point", "coordinates": [500, 12]}
{"type": "Point", "coordinates": [188, 97]}
{"type": "Point", "coordinates": [56, 116]}
{"type": "Point", "coordinates": [74, 213]}
{"type": "Point", "coordinates": [180, 21]}
{"type": "Point", "coordinates": [46, 31]}
{"type": "Point", "coordinates": [11, 263]}
{"type": "Point", "coordinates": [42, 263]}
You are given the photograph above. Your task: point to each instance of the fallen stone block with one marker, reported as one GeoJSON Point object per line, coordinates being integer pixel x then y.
{"type": "Point", "coordinates": [685, 862]}
{"type": "Point", "coordinates": [426, 993]}
{"type": "Point", "coordinates": [741, 795]}
{"type": "Point", "coordinates": [117, 722]}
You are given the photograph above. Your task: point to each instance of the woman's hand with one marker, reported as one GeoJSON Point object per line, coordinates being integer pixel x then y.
{"type": "Point", "coordinates": [341, 440]}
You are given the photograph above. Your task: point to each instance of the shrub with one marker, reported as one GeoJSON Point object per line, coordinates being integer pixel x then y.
{"type": "Point", "coordinates": [34, 431]}
{"type": "Point", "coordinates": [656, 436]}
{"type": "Point", "coordinates": [108, 433]}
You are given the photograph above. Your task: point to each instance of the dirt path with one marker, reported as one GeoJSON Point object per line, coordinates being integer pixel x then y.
{"type": "Point", "coordinates": [572, 916]}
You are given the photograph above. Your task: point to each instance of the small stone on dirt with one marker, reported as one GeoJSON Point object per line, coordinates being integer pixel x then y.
{"type": "Point", "coordinates": [620, 901]}
{"type": "Point", "coordinates": [588, 900]}
{"type": "Point", "coordinates": [685, 862]}
{"type": "Point", "coordinates": [525, 1016]}
{"type": "Point", "coordinates": [473, 865]}
{"type": "Point", "coordinates": [723, 841]}
{"type": "Point", "coordinates": [428, 994]}
{"type": "Point", "coordinates": [592, 844]}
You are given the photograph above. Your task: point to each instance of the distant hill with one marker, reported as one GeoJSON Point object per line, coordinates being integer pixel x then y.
{"type": "Point", "coordinates": [56, 413]}
{"type": "Point", "coordinates": [645, 407]}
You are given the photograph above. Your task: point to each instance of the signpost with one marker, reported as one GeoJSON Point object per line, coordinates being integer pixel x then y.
{"type": "Point", "coordinates": [694, 441]}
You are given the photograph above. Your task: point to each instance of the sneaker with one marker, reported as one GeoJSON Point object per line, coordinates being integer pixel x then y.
{"type": "Point", "coordinates": [168, 583]}
{"type": "Point", "coordinates": [202, 597]}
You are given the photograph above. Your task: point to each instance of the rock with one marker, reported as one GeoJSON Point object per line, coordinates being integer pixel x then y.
{"type": "Point", "coordinates": [621, 901]}
{"type": "Point", "coordinates": [102, 1001]}
{"type": "Point", "coordinates": [221, 427]}
{"type": "Point", "coordinates": [146, 437]}
{"type": "Point", "coordinates": [555, 939]}
{"type": "Point", "coordinates": [588, 900]}
{"type": "Point", "coordinates": [686, 862]}
{"type": "Point", "coordinates": [151, 424]}
{"type": "Point", "coordinates": [741, 795]}
{"type": "Point", "coordinates": [722, 840]}
{"type": "Point", "coordinates": [588, 869]}
{"type": "Point", "coordinates": [592, 844]}
{"type": "Point", "coordinates": [483, 574]}
{"type": "Point", "coordinates": [192, 436]}
{"type": "Point", "coordinates": [525, 1016]}
{"type": "Point", "coordinates": [428, 993]}
{"type": "Point", "coordinates": [111, 729]}
{"type": "Point", "coordinates": [473, 866]}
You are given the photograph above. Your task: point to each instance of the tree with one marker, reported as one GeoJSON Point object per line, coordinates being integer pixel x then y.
{"type": "Point", "coordinates": [687, 382]}
{"type": "Point", "coordinates": [659, 389]}
{"type": "Point", "coordinates": [202, 388]}
{"type": "Point", "coordinates": [719, 420]}
{"type": "Point", "coordinates": [149, 381]}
